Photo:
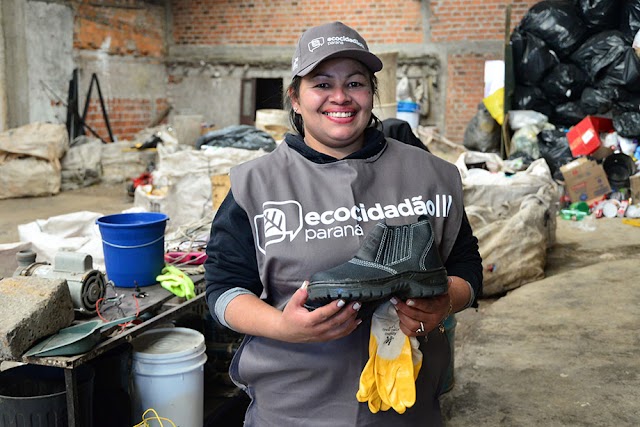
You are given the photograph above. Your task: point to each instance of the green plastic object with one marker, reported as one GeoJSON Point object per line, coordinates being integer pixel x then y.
{"type": "Point", "coordinates": [76, 339]}
{"type": "Point", "coordinates": [573, 214]}
{"type": "Point", "coordinates": [579, 206]}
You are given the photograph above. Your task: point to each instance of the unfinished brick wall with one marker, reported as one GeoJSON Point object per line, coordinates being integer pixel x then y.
{"type": "Point", "coordinates": [132, 30]}
{"type": "Point", "coordinates": [280, 22]}
{"type": "Point", "coordinates": [135, 28]}
{"type": "Point", "coordinates": [465, 21]}
{"type": "Point", "coordinates": [126, 116]}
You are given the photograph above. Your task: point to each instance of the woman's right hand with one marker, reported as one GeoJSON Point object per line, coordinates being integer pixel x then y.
{"type": "Point", "coordinates": [334, 320]}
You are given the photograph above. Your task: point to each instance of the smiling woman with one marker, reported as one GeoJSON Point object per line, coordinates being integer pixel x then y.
{"type": "Point", "coordinates": [312, 204]}
{"type": "Point", "coordinates": [335, 101]}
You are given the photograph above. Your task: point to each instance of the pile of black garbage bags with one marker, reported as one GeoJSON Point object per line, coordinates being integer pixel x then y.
{"type": "Point", "coordinates": [571, 59]}
{"type": "Point", "coordinates": [574, 58]}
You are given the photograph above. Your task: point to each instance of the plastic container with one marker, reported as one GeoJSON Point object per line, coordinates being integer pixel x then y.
{"type": "Point", "coordinates": [409, 112]}
{"type": "Point", "coordinates": [168, 375]}
{"type": "Point", "coordinates": [133, 245]}
{"type": "Point", "coordinates": [267, 118]}
{"type": "Point", "coordinates": [33, 395]}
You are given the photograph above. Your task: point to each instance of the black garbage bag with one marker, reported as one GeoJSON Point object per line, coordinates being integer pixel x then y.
{"type": "Point", "coordinates": [628, 102]}
{"type": "Point", "coordinates": [599, 15]}
{"type": "Point", "coordinates": [599, 100]}
{"type": "Point", "coordinates": [565, 82]}
{"type": "Point", "coordinates": [532, 58]}
{"type": "Point", "coordinates": [531, 98]}
{"type": "Point", "coordinates": [630, 19]}
{"type": "Point", "coordinates": [554, 149]}
{"type": "Point", "coordinates": [238, 136]}
{"type": "Point", "coordinates": [557, 23]}
{"type": "Point", "coordinates": [483, 132]}
{"type": "Point", "coordinates": [624, 71]}
{"type": "Point", "coordinates": [627, 124]}
{"type": "Point", "coordinates": [567, 114]}
{"type": "Point", "coordinates": [599, 51]}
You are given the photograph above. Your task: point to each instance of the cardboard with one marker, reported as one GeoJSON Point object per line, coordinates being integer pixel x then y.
{"type": "Point", "coordinates": [584, 137]}
{"type": "Point", "coordinates": [585, 180]}
{"type": "Point", "coordinates": [634, 180]}
{"type": "Point", "coordinates": [220, 185]}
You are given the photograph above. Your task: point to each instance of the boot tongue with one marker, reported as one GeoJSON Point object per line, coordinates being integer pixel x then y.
{"type": "Point", "coordinates": [371, 245]}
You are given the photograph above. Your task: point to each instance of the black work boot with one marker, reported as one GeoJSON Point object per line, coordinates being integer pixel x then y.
{"type": "Point", "coordinates": [393, 260]}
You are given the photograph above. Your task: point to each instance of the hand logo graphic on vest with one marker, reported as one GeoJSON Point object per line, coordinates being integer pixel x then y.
{"type": "Point", "coordinates": [279, 221]}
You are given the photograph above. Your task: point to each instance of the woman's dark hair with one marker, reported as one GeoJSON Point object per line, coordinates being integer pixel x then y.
{"type": "Point", "coordinates": [296, 119]}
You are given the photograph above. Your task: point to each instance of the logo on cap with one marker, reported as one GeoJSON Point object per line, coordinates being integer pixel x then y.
{"type": "Point", "coordinates": [295, 64]}
{"type": "Point", "coordinates": [316, 43]}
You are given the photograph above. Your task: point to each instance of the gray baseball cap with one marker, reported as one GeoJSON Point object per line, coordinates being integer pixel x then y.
{"type": "Point", "coordinates": [334, 40]}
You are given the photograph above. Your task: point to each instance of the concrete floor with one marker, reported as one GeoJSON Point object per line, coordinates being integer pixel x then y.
{"type": "Point", "coordinates": [105, 199]}
{"type": "Point", "coordinates": [562, 351]}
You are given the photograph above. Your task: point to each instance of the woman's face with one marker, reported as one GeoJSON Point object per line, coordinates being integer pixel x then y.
{"type": "Point", "coordinates": [335, 102]}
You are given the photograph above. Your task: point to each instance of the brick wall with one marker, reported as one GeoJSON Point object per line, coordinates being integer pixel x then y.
{"type": "Point", "coordinates": [135, 28]}
{"type": "Point", "coordinates": [465, 89]}
{"type": "Point", "coordinates": [280, 22]}
{"type": "Point", "coordinates": [130, 30]}
{"type": "Point", "coordinates": [458, 23]}
{"type": "Point", "coordinates": [126, 116]}
{"type": "Point", "coordinates": [454, 20]}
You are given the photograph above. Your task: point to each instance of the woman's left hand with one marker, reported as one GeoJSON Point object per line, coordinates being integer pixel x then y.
{"type": "Point", "coordinates": [419, 316]}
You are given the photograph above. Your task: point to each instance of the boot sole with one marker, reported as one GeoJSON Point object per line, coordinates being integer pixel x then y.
{"type": "Point", "coordinates": [412, 284]}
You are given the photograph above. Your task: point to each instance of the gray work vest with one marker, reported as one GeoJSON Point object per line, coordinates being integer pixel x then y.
{"type": "Point", "coordinates": [308, 217]}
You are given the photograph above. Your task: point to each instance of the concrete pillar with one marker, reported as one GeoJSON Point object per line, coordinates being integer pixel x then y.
{"type": "Point", "coordinates": [14, 104]}
{"type": "Point", "coordinates": [3, 80]}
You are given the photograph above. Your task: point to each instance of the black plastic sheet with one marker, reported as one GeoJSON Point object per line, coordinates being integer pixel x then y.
{"type": "Point", "coordinates": [532, 58]}
{"type": "Point", "coordinates": [557, 23]}
{"type": "Point", "coordinates": [565, 82]}
{"type": "Point", "coordinates": [599, 15]}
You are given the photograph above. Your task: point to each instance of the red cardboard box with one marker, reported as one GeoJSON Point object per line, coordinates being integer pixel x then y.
{"type": "Point", "coordinates": [584, 137]}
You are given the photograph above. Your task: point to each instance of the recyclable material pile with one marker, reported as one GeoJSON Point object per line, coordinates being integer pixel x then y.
{"type": "Point", "coordinates": [576, 101]}
{"type": "Point", "coordinates": [577, 58]}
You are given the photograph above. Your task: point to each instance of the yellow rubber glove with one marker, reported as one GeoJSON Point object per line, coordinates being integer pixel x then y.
{"type": "Point", "coordinates": [394, 363]}
{"type": "Point", "coordinates": [368, 390]}
{"type": "Point", "coordinates": [175, 281]}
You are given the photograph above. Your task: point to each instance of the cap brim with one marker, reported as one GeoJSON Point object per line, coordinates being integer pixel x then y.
{"type": "Point", "coordinates": [371, 61]}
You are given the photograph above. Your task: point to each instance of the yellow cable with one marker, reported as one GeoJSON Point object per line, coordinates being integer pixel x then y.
{"type": "Point", "coordinates": [156, 417]}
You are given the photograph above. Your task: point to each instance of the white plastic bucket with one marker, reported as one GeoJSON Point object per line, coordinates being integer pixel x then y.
{"type": "Point", "coordinates": [409, 112]}
{"type": "Point", "coordinates": [168, 375]}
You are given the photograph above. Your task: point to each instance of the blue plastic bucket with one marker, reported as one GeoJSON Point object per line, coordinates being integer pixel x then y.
{"type": "Point", "coordinates": [409, 112]}
{"type": "Point", "coordinates": [133, 245]}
